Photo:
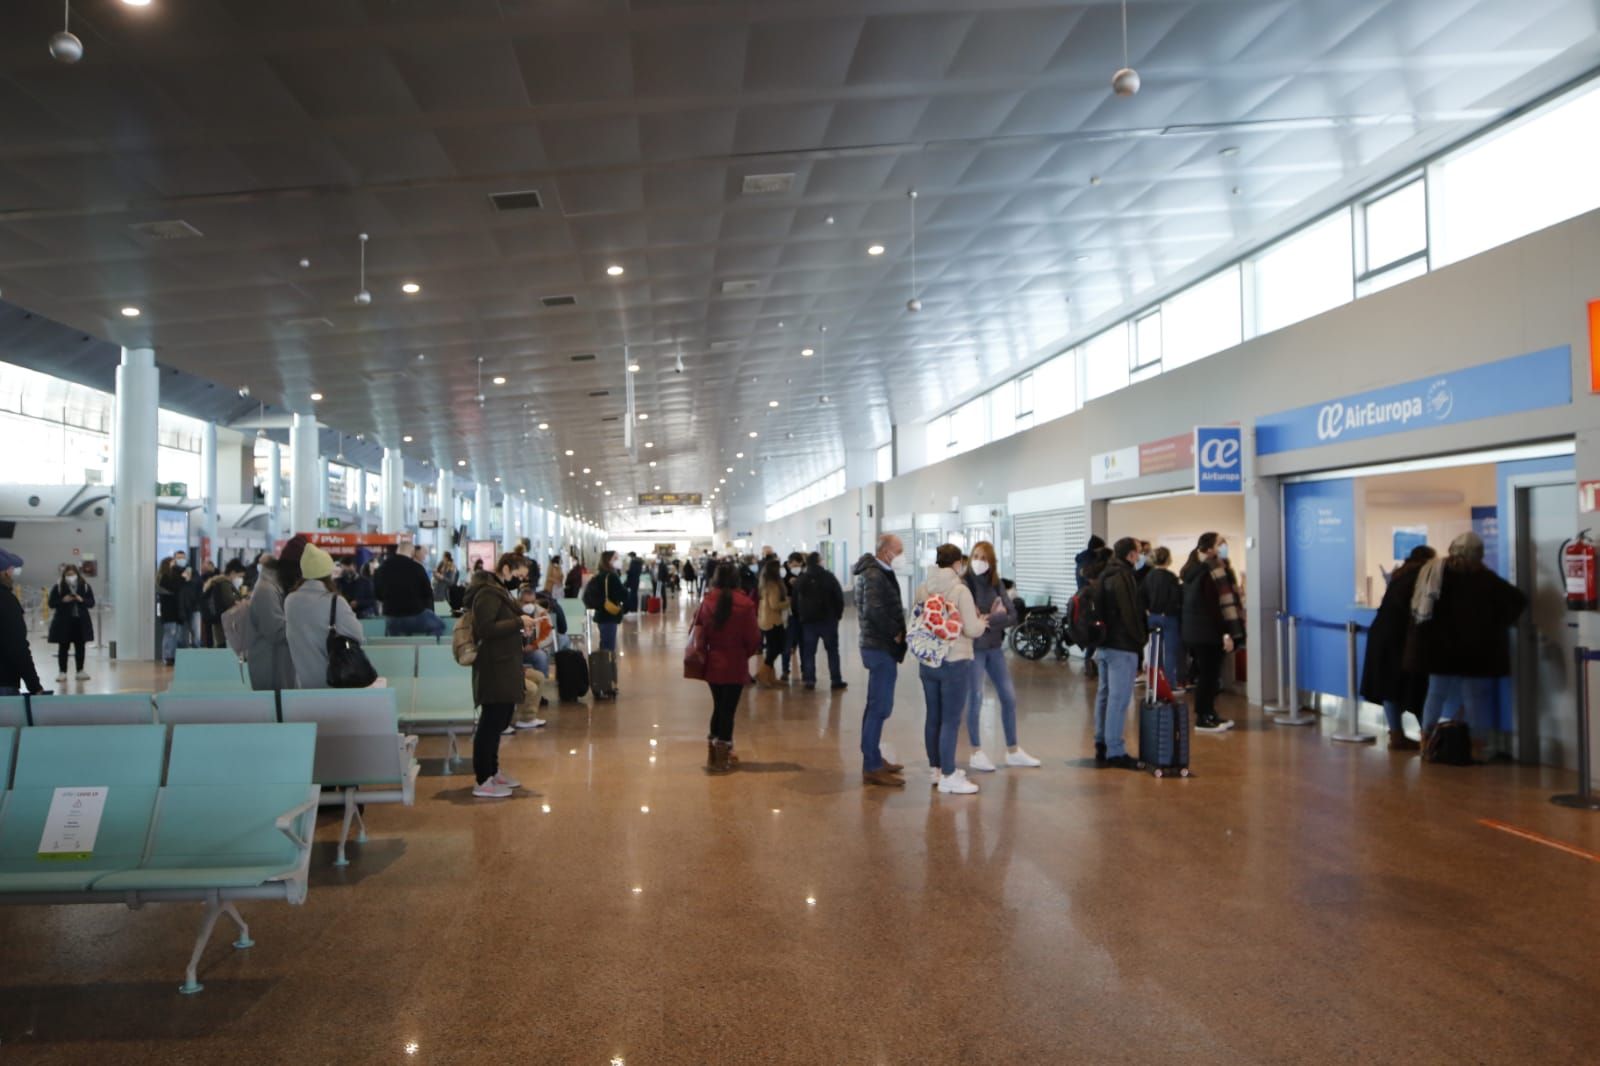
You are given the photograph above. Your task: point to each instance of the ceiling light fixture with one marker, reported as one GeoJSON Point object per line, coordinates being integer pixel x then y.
{"type": "Point", "coordinates": [65, 47]}
{"type": "Point", "coordinates": [633, 368]}
{"type": "Point", "coordinates": [652, 463]}
{"type": "Point", "coordinates": [772, 403]}
{"type": "Point", "coordinates": [649, 444]}
{"type": "Point", "coordinates": [406, 439]}
{"type": "Point", "coordinates": [875, 249]}
{"type": "Point", "coordinates": [585, 470]}
{"type": "Point", "coordinates": [914, 304]}
{"type": "Point", "coordinates": [544, 425]}
{"type": "Point", "coordinates": [363, 297]}
{"type": "Point", "coordinates": [1125, 82]}
{"type": "Point", "coordinates": [614, 270]}
{"type": "Point", "coordinates": [753, 434]}
{"type": "Point", "coordinates": [461, 462]}
{"type": "Point", "coordinates": [808, 352]}
{"type": "Point", "coordinates": [643, 417]}
{"type": "Point", "coordinates": [738, 455]}
{"type": "Point", "coordinates": [411, 288]}
{"type": "Point", "coordinates": [316, 397]}
{"type": "Point", "coordinates": [130, 312]}
{"type": "Point", "coordinates": [497, 481]}
{"type": "Point", "coordinates": [498, 379]}
{"type": "Point", "coordinates": [137, 3]}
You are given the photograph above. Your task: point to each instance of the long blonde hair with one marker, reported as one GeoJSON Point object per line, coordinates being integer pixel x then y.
{"type": "Point", "coordinates": [986, 550]}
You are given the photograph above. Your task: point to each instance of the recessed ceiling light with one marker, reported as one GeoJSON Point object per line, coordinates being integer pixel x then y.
{"type": "Point", "coordinates": [772, 403]}
{"type": "Point", "coordinates": [608, 492]}
{"type": "Point", "coordinates": [316, 397]}
{"type": "Point", "coordinates": [585, 470]}
{"type": "Point", "coordinates": [652, 462]}
{"type": "Point", "coordinates": [421, 356]}
{"type": "Point", "coordinates": [569, 451]}
{"type": "Point", "coordinates": [738, 455]}
{"type": "Point", "coordinates": [406, 439]}
{"type": "Point", "coordinates": [754, 434]}
{"type": "Point", "coordinates": [1080, 259]}
{"type": "Point", "coordinates": [649, 444]}
{"type": "Point", "coordinates": [498, 379]}
{"type": "Point", "coordinates": [730, 470]}
{"type": "Point", "coordinates": [658, 488]}
{"type": "Point", "coordinates": [614, 270]}
{"type": "Point", "coordinates": [411, 288]}
{"type": "Point", "coordinates": [137, 3]}
{"type": "Point", "coordinates": [523, 491]}
{"type": "Point", "coordinates": [497, 481]}
{"type": "Point", "coordinates": [461, 462]}
{"type": "Point", "coordinates": [808, 352]}
{"type": "Point", "coordinates": [598, 483]}
{"type": "Point", "coordinates": [633, 368]}
{"type": "Point", "coordinates": [643, 417]}
{"type": "Point", "coordinates": [876, 249]}
{"type": "Point", "coordinates": [544, 425]}
{"type": "Point", "coordinates": [722, 481]}
{"type": "Point", "coordinates": [130, 312]}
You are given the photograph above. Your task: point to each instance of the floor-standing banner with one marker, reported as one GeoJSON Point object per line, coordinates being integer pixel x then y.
{"type": "Point", "coordinates": [1320, 577]}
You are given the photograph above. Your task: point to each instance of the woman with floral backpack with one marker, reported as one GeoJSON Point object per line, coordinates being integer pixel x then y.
{"type": "Point", "coordinates": [941, 638]}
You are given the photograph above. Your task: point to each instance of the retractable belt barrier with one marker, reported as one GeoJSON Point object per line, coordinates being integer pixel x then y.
{"type": "Point", "coordinates": [1584, 798]}
{"type": "Point", "coordinates": [1291, 713]}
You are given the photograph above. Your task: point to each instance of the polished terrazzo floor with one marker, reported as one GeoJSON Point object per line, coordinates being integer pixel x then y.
{"type": "Point", "coordinates": [1296, 901]}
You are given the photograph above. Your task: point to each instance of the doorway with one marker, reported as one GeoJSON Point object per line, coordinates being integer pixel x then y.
{"type": "Point", "coordinates": [1545, 717]}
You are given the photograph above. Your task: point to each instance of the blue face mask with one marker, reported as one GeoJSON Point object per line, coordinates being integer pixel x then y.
{"type": "Point", "coordinates": [1222, 551]}
{"type": "Point", "coordinates": [1141, 562]}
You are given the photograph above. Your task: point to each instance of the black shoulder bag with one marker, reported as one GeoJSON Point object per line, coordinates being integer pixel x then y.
{"type": "Point", "coordinates": [348, 665]}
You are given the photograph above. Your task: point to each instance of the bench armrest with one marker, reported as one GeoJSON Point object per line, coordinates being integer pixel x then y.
{"type": "Point", "coordinates": [285, 822]}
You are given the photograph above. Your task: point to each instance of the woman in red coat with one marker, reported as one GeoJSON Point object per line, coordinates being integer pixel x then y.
{"type": "Point", "coordinates": [727, 624]}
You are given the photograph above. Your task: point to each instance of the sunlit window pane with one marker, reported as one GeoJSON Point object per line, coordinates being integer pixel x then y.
{"type": "Point", "coordinates": [1003, 411]}
{"type": "Point", "coordinates": [1106, 362]}
{"type": "Point", "coordinates": [1146, 344]}
{"type": "Point", "coordinates": [1535, 174]}
{"type": "Point", "coordinates": [1202, 320]}
{"type": "Point", "coordinates": [1305, 275]}
{"type": "Point", "coordinates": [1396, 225]}
{"type": "Point", "coordinates": [1054, 388]}
{"type": "Point", "coordinates": [1393, 276]}
{"type": "Point", "coordinates": [886, 462]}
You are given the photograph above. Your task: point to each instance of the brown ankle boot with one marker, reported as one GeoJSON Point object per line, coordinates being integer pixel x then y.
{"type": "Point", "coordinates": [1398, 741]}
{"type": "Point", "coordinates": [719, 758]}
{"type": "Point", "coordinates": [766, 676]}
{"type": "Point", "coordinates": [711, 753]}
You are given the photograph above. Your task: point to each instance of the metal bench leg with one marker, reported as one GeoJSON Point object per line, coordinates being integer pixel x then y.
{"type": "Point", "coordinates": [361, 822]}
{"type": "Point", "coordinates": [244, 940]}
{"type": "Point", "coordinates": [344, 832]}
{"type": "Point", "coordinates": [213, 910]}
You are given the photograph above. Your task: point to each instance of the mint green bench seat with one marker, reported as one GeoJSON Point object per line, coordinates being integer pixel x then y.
{"type": "Point", "coordinates": [8, 744]}
{"type": "Point", "coordinates": [13, 711]}
{"type": "Point", "coordinates": [362, 757]}
{"type": "Point", "coordinates": [374, 627]}
{"type": "Point", "coordinates": [203, 708]}
{"type": "Point", "coordinates": [399, 642]}
{"type": "Point", "coordinates": [123, 708]}
{"type": "Point", "coordinates": [125, 758]}
{"type": "Point", "coordinates": [207, 670]}
{"type": "Point", "coordinates": [441, 698]}
{"type": "Point", "coordinates": [392, 661]}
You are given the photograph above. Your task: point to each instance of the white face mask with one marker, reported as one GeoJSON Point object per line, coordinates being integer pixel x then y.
{"type": "Point", "coordinates": [900, 565]}
{"type": "Point", "coordinates": [794, 569]}
{"type": "Point", "coordinates": [527, 608]}
{"type": "Point", "coordinates": [238, 583]}
{"type": "Point", "coordinates": [1222, 551]}
{"type": "Point", "coordinates": [180, 562]}
{"type": "Point", "coordinates": [980, 566]}
{"type": "Point", "coordinates": [616, 564]}
{"type": "Point", "coordinates": [72, 581]}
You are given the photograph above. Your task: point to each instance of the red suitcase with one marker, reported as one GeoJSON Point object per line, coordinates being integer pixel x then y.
{"type": "Point", "coordinates": [652, 605]}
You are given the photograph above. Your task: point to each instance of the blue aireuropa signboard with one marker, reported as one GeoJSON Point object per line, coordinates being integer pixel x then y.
{"type": "Point", "coordinates": [1218, 460]}
{"type": "Point", "coordinates": [1525, 383]}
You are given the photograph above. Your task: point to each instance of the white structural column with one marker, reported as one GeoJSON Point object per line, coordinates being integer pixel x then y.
{"type": "Point", "coordinates": [393, 513]}
{"type": "Point", "coordinates": [510, 523]}
{"type": "Point", "coordinates": [480, 512]}
{"type": "Point", "coordinates": [303, 468]}
{"type": "Point", "coordinates": [274, 495]}
{"type": "Point", "coordinates": [209, 521]}
{"type": "Point", "coordinates": [133, 531]}
{"type": "Point", "coordinates": [360, 507]}
{"type": "Point", "coordinates": [322, 487]}
{"type": "Point", "coordinates": [445, 494]}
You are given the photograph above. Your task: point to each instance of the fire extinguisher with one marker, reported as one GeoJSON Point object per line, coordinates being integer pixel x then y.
{"type": "Point", "coordinates": [1578, 571]}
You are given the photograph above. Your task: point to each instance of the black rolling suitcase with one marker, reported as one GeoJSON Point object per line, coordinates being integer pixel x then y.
{"type": "Point", "coordinates": [572, 675]}
{"type": "Point", "coordinates": [603, 673]}
{"type": "Point", "coordinates": [1163, 722]}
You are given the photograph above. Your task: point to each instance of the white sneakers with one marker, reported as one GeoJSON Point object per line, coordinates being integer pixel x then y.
{"type": "Point", "coordinates": [83, 675]}
{"type": "Point", "coordinates": [492, 789]}
{"type": "Point", "coordinates": [61, 677]}
{"type": "Point", "coordinates": [981, 762]}
{"type": "Point", "coordinates": [506, 782]}
{"type": "Point", "coordinates": [532, 723]}
{"type": "Point", "coordinates": [934, 774]}
{"type": "Point", "coordinates": [957, 784]}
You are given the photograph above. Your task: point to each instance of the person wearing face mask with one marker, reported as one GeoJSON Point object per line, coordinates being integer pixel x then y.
{"type": "Point", "coordinates": [606, 595]}
{"type": "Point", "coordinates": [71, 600]}
{"type": "Point", "coordinates": [1161, 596]}
{"type": "Point", "coordinates": [170, 583]}
{"type": "Point", "coordinates": [1118, 653]}
{"type": "Point", "coordinates": [1213, 625]}
{"type": "Point", "coordinates": [772, 618]}
{"type": "Point", "coordinates": [217, 595]}
{"type": "Point", "coordinates": [17, 672]}
{"type": "Point", "coordinates": [881, 618]}
{"type": "Point", "coordinates": [989, 658]}
{"type": "Point", "coordinates": [791, 574]}
{"type": "Point", "coordinates": [821, 606]}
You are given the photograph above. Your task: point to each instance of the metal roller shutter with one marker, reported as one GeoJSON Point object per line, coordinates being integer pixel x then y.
{"type": "Point", "coordinates": [1045, 545]}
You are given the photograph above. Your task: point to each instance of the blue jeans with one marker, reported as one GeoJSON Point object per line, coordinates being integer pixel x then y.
{"type": "Point", "coordinates": [1449, 692]}
{"type": "Point", "coordinates": [421, 624]}
{"type": "Point", "coordinates": [538, 660]}
{"type": "Point", "coordinates": [882, 670]}
{"type": "Point", "coordinates": [791, 641]}
{"type": "Point", "coordinates": [809, 632]}
{"type": "Point", "coordinates": [174, 635]}
{"type": "Point", "coordinates": [608, 635]}
{"type": "Point", "coordinates": [946, 690]}
{"type": "Point", "coordinates": [1112, 697]}
{"type": "Point", "coordinates": [1171, 645]}
{"type": "Point", "coordinates": [992, 661]}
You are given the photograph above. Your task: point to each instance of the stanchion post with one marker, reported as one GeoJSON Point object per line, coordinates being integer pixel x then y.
{"type": "Point", "coordinates": [1584, 798]}
{"type": "Point", "coordinates": [1294, 714]}
{"type": "Point", "coordinates": [1280, 705]}
{"type": "Point", "coordinates": [1352, 733]}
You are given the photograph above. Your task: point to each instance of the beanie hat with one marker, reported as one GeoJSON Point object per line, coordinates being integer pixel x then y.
{"type": "Point", "coordinates": [315, 564]}
{"type": "Point", "coordinates": [9, 560]}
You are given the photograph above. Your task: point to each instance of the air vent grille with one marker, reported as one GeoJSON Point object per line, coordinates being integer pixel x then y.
{"type": "Point", "coordinates": [586, 357]}
{"type": "Point", "coordinates": [560, 301]}
{"type": "Point", "coordinates": [609, 418]}
{"type": "Point", "coordinates": [171, 229]}
{"type": "Point", "coordinates": [526, 200]}
{"type": "Point", "coordinates": [740, 285]}
{"type": "Point", "coordinates": [767, 184]}
{"type": "Point", "coordinates": [601, 392]}
{"type": "Point", "coordinates": [309, 323]}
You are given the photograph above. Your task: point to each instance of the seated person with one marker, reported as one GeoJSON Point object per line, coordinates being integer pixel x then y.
{"type": "Point", "coordinates": [553, 607]}
{"type": "Point", "coordinates": [539, 644]}
{"type": "Point", "coordinates": [356, 587]}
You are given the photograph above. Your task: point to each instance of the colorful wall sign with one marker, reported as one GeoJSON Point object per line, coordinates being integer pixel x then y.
{"type": "Point", "coordinates": [1525, 383]}
{"type": "Point", "coordinates": [1120, 465]}
{"type": "Point", "coordinates": [1594, 345]}
{"type": "Point", "coordinates": [670, 499]}
{"type": "Point", "coordinates": [1166, 455]}
{"type": "Point", "coordinates": [1218, 460]}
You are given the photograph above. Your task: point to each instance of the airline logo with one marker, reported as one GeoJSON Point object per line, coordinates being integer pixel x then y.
{"type": "Point", "coordinates": [1218, 460]}
{"type": "Point", "coordinates": [1336, 418]}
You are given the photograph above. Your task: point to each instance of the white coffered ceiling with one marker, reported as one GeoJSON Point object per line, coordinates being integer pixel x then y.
{"type": "Point", "coordinates": [281, 130]}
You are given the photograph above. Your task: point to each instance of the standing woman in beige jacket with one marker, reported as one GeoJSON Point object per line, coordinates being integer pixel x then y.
{"type": "Point", "coordinates": [947, 688]}
{"type": "Point", "coordinates": [772, 613]}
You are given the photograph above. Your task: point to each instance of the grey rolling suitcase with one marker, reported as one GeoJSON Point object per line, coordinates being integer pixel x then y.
{"type": "Point", "coordinates": [603, 673]}
{"type": "Point", "coordinates": [1163, 724]}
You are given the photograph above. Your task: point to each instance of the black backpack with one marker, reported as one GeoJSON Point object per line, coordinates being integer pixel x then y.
{"type": "Point", "coordinates": [1450, 744]}
{"type": "Point", "coordinates": [1085, 620]}
{"type": "Point", "coordinates": [594, 593]}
